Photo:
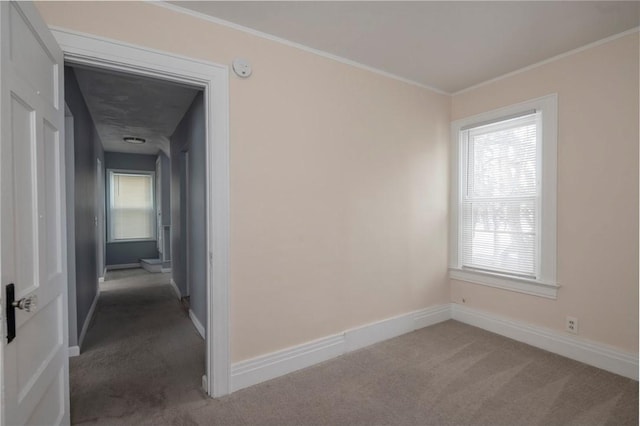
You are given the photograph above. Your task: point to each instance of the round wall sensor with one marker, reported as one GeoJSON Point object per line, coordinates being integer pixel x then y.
{"type": "Point", "coordinates": [242, 68]}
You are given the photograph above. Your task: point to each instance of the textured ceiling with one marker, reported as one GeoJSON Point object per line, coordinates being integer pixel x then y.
{"type": "Point", "coordinates": [126, 105]}
{"type": "Point", "coordinates": [445, 45]}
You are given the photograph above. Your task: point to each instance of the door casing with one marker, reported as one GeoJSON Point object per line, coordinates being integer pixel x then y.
{"type": "Point", "coordinates": [84, 49]}
{"type": "Point", "coordinates": [100, 216]}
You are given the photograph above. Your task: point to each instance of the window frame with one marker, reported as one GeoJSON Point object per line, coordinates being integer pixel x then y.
{"type": "Point", "coordinates": [109, 193]}
{"type": "Point", "coordinates": [545, 283]}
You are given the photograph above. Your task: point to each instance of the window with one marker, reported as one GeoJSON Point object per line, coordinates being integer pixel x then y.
{"type": "Point", "coordinates": [504, 198]}
{"type": "Point", "coordinates": [131, 206]}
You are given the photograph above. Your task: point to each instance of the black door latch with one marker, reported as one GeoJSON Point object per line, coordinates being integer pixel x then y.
{"type": "Point", "coordinates": [11, 313]}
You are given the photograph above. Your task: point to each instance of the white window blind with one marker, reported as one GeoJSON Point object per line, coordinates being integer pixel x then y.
{"type": "Point", "coordinates": [132, 210]}
{"type": "Point", "coordinates": [500, 197]}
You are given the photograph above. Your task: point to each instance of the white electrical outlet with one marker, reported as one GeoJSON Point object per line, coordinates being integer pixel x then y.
{"type": "Point", "coordinates": [572, 325]}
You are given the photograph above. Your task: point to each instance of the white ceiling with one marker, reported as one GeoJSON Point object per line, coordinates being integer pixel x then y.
{"type": "Point", "coordinates": [127, 105]}
{"type": "Point", "coordinates": [449, 46]}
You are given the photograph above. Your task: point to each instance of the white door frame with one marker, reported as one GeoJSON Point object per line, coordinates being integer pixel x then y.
{"type": "Point", "coordinates": [85, 49]}
{"type": "Point", "coordinates": [158, 210]}
{"type": "Point", "coordinates": [69, 164]}
{"type": "Point", "coordinates": [185, 213]}
{"type": "Point", "coordinates": [100, 218]}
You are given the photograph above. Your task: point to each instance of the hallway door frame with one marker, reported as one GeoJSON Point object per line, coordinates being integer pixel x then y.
{"type": "Point", "coordinates": [185, 214]}
{"type": "Point", "coordinates": [101, 233]}
{"type": "Point", "coordinates": [94, 51]}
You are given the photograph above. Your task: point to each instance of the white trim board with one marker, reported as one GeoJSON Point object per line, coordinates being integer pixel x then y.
{"type": "Point", "coordinates": [74, 351]}
{"type": "Point", "coordinates": [379, 331]}
{"type": "Point", "coordinates": [266, 367]}
{"type": "Point", "coordinates": [269, 366]}
{"type": "Point", "coordinates": [576, 348]}
{"type": "Point", "coordinates": [197, 324]}
{"type": "Point", "coordinates": [123, 266]}
{"type": "Point", "coordinates": [88, 319]}
{"type": "Point", "coordinates": [90, 50]}
{"type": "Point", "coordinates": [548, 60]}
{"type": "Point", "coordinates": [280, 40]}
{"type": "Point", "coordinates": [176, 290]}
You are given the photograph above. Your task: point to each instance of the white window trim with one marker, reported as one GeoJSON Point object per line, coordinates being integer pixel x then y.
{"type": "Point", "coordinates": [110, 173]}
{"type": "Point", "coordinates": [545, 285]}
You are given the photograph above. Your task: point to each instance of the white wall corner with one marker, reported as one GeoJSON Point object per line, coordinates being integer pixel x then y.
{"type": "Point", "coordinates": [74, 351]}
{"type": "Point", "coordinates": [579, 349]}
{"type": "Point", "coordinates": [197, 324]}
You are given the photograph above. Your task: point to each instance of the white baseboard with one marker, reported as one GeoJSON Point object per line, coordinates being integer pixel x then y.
{"type": "Point", "coordinates": [88, 319]}
{"type": "Point", "coordinates": [123, 266]}
{"type": "Point", "coordinates": [269, 366]}
{"type": "Point", "coordinates": [369, 334]}
{"type": "Point", "coordinates": [275, 364]}
{"type": "Point", "coordinates": [101, 279]}
{"type": "Point", "coordinates": [197, 324]}
{"type": "Point", "coordinates": [175, 288]}
{"type": "Point", "coordinates": [165, 270]}
{"type": "Point", "coordinates": [74, 351]}
{"type": "Point", "coordinates": [431, 316]}
{"type": "Point", "coordinates": [256, 370]}
{"type": "Point", "coordinates": [576, 348]}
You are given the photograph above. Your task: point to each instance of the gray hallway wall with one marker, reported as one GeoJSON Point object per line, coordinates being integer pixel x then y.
{"type": "Point", "coordinates": [190, 135]}
{"type": "Point", "coordinates": [87, 148]}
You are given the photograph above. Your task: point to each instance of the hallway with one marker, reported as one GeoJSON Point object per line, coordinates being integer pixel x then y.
{"type": "Point", "coordinates": [141, 352]}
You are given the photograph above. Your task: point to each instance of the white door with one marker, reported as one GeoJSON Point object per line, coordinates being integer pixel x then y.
{"type": "Point", "coordinates": [35, 367]}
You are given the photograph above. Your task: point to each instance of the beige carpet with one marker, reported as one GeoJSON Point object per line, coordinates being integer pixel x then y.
{"type": "Point", "coordinates": [143, 361]}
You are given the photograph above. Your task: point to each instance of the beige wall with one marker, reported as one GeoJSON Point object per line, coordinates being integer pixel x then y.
{"type": "Point", "coordinates": [597, 192]}
{"type": "Point", "coordinates": [339, 180]}
{"type": "Point", "coordinates": [339, 184]}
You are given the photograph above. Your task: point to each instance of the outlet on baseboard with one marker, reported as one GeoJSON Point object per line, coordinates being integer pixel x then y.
{"type": "Point", "coordinates": [571, 325]}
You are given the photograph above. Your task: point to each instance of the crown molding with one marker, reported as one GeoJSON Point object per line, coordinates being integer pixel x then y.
{"type": "Point", "coordinates": [293, 44]}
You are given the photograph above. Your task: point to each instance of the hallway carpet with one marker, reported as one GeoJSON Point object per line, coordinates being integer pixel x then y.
{"type": "Point", "coordinates": [142, 365]}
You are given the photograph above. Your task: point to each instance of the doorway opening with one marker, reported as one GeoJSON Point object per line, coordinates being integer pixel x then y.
{"type": "Point", "coordinates": [142, 212]}
{"type": "Point", "coordinates": [88, 51]}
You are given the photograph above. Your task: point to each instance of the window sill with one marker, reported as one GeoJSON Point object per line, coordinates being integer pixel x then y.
{"type": "Point", "coordinates": [519, 285]}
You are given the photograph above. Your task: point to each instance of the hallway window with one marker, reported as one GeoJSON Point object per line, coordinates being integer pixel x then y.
{"type": "Point", "coordinates": [131, 206]}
